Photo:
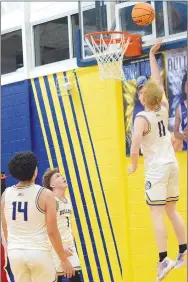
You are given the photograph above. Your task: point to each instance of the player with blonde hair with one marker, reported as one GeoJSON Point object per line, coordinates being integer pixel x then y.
{"type": "Point", "coordinates": [161, 167]}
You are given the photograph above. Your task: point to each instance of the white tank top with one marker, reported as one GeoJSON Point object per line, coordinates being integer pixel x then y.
{"type": "Point", "coordinates": [156, 144]}
{"type": "Point", "coordinates": [64, 212]}
{"type": "Point", "coordinates": [26, 222]}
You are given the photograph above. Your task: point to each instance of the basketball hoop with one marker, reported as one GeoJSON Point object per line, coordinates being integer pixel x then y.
{"type": "Point", "coordinates": [109, 48]}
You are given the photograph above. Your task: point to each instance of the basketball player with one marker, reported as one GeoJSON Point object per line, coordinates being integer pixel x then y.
{"type": "Point", "coordinates": [161, 166]}
{"type": "Point", "coordinates": [55, 182]}
{"type": "Point", "coordinates": [181, 116]}
{"type": "Point", "coordinates": [28, 216]}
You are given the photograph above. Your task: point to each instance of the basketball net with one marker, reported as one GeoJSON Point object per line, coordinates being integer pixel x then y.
{"type": "Point", "coordinates": [109, 52]}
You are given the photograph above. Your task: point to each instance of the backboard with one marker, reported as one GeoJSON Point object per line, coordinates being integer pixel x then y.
{"type": "Point", "coordinates": [170, 23]}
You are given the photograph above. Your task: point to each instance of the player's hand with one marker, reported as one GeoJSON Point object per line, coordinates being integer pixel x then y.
{"type": "Point", "coordinates": [68, 270]}
{"type": "Point", "coordinates": [68, 252]}
{"type": "Point", "coordinates": [131, 169]}
{"type": "Point", "coordinates": [156, 47]}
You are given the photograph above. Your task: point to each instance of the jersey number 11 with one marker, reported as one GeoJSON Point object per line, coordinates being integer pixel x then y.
{"type": "Point", "coordinates": [162, 130]}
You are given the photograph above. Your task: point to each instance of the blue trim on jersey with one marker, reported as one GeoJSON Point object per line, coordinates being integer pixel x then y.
{"type": "Point", "coordinates": [161, 204]}
{"type": "Point", "coordinates": [172, 197]}
{"type": "Point", "coordinates": [36, 200]}
{"type": "Point", "coordinates": [22, 187]}
{"type": "Point", "coordinates": [71, 190]}
{"type": "Point", "coordinates": [100, 181]}
{"type": "Point", "coordinates": [148, 122]}
{"type": "Point", "coordinates": [155, 200]}
{"type": "Point", "coordinates": [155, 204]}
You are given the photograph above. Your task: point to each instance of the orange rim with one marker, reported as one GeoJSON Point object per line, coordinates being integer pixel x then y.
{"type": "Point", "coordinates": [106, 40]}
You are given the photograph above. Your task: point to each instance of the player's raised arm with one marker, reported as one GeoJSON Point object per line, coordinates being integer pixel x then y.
{"type": "Point", "coordinates": [155, 73]}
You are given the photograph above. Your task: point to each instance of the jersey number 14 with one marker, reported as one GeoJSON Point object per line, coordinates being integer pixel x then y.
{"type": "Point", "coordinates": [17, 207]}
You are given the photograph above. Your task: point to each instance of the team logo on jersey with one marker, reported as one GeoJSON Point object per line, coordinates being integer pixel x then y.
{"type": "Point", "coordinates": [20, 194]}
{"type": "Point", "coordinates": [148, 185]}
{"type": "Point", "coordinates": [65, 211]}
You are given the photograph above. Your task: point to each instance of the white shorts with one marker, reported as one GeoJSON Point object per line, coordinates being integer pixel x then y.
{"type": "Point", "coordinates": [74, 260]}
{"type": "Point", "coordinates": [162, 184]}
{"type": "Point", "coordinates": [32, 265]}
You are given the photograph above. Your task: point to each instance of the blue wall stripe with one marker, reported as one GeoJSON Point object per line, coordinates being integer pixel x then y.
{"type": "Point", "coordinates": [45, 120]}
{"type": "Point", "coordinates": [71, 190]}
{"type": "Point", "coordinates": [98, 172]}
{"type": "Point", "coordinates": [89, 182]}
{"type": "Point", "coordinates": [80, 186]}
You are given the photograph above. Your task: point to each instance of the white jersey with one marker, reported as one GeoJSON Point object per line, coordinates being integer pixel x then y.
{"type": "Point", "coordinates": [156, 144]}
{"type": "Point", "coordinates": [26, 224]}
{"type": "Point", "coordinates": [64, 212]}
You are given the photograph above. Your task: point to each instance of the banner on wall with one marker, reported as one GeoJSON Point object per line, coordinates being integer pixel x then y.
{"type": "Point", "coordinates": [132, 104]}
{"type": "Point", "coordinates": [176, 64]}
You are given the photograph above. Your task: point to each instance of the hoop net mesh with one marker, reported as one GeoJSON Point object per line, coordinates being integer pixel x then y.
{"type": "Point", "coordinates": [109, 54]}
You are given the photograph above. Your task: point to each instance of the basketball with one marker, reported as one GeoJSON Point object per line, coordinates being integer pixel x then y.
{"type": "Point", "coordinates": [143, 14]}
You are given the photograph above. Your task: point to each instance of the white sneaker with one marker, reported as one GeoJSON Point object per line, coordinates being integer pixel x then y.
{"type": "Point", "coordinates": [181, 260]}
{"type": "Point", "coordinates": [164, 267]}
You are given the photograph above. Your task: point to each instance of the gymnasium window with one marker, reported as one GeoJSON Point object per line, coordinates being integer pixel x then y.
{"type": "Point", "coordinates": [90, 20]}
{"type": "Point", "coordinates": [177, 17]}
{"type": "Point", "coordinates": [11, 52]}
{"type": "Point", "coordinates": [159, 19]}
{"type": "Point", "coordinates": [51, 41]}
{"type": "Point", "coordinates": [75, 26]}
{"type": "Point", "coordinates": [92, 24]}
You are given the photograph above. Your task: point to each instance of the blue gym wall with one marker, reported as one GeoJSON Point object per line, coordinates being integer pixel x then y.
{"type": "Point", "coordinates": [21, 130]}
{"type": "Point", "coordinates": [15, 123]}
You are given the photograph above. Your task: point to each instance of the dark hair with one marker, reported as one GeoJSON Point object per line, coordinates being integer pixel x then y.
{"type": "Point", "coordinates": [22, 166]}
{"type": "Point", "coordinates": [47, 176]}
{"type": "Point", "coordinates": [184, 95]}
